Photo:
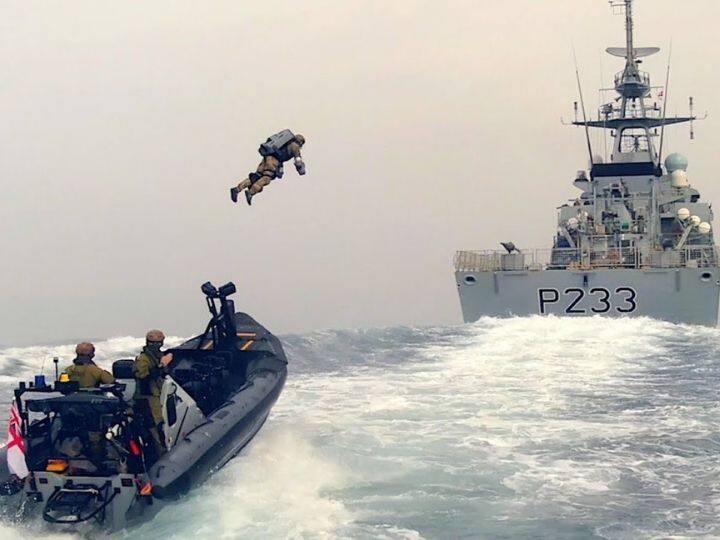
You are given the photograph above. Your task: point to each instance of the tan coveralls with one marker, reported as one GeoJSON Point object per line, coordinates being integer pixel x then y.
{"type": "Point", "coordinates": [88, 375]}
{"type": "Point", "coordinates": [268, 170]}
{"type": "Point", "coordinates": [149, 376]}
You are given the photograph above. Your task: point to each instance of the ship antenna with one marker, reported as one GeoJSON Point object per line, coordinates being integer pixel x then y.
{"type": "Point", "coordinates": [664, 117]}
{"type": "Point", "coordinates": [605, 117]}
{"type": "Point", "coordinates": [629, 33]}
{"type": "Point", "coordinates": [582, 104]}
{"type": "Point", "coordinates": [692, 125]}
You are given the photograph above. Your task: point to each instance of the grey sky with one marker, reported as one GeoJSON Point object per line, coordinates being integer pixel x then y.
{"type": "Point", "coordinates": [431, 126]}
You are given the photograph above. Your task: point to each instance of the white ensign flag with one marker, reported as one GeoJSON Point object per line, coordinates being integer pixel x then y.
{"type": "Point", "coordinates": [16, 445]}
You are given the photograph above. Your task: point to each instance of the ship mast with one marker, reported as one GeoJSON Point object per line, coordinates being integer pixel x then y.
{"type": "Point", "coordinates": [631, 67]}
{"type": "Point", "coordinates": [632, 121]}
{"type": "Point", "coordinates": [629, 33]}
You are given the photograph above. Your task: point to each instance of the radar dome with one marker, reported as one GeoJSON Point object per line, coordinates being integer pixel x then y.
{"type": "Point", "coordinates": [679, 179]}
{"type": "Point", "coordinates": [695, 221]}
{"type": "Point", "coordinates": [676, 162]}
{"type": "Point", "coordinates": [704, 228]}
{"type": "Point", "coordinates": [683, 214]}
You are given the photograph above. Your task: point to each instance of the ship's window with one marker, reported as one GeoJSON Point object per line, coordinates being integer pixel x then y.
{"type": "Point", "coordinates": [706, 276]}
{"type": "Point", "coordinates": [633, 140]}
{"type": "Point", "coordinates": [470, 280]}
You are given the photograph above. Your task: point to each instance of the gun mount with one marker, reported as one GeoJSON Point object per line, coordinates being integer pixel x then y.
{"type": "Point", "coordinates": [222, 322]}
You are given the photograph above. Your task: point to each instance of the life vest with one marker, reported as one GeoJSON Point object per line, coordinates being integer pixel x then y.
{"type": "Point", "coordinates": [150, 385]}
{"type": "Point", "coordinates": [86, 374]}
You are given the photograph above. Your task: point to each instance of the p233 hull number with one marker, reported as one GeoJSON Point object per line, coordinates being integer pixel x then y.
{"type": "Point", "coordinates": [598, 300]}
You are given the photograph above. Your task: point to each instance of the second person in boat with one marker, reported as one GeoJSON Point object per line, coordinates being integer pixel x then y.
{"type": "Point", "coordinates": [149, 370]}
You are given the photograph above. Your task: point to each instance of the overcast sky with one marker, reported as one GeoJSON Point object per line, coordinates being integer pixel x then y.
{"type": "Point", "coordinates": [431, 126]}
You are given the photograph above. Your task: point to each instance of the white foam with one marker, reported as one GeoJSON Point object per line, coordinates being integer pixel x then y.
{"type": "Point", "coordinates": [32, 531]}
{"type": "Point", "coordinates": [276, 488]}
{"type": "Point", "coordinates": [20, 363]}
{"type": "Point", "coordinates": [504, 421]}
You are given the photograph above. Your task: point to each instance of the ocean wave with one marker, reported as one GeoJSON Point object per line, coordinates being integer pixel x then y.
{"type": "Point", "coordinates": [523, 428]}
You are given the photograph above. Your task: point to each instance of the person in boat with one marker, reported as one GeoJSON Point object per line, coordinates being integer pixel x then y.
{"type": "Point", "coordinates": [88, 375]}
{"type": "Point", "coordinates": [84, 371]}
{"type": "Point", "coordinates": [278, 149]}
{"type": "Point", "coordinates": [149, 371]}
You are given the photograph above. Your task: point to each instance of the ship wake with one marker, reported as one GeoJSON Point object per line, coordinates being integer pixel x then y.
{"type": "Point", "coordinates": [528, 427]}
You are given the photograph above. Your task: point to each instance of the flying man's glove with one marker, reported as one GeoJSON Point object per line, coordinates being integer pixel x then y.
{"type": "Point", "coordinates": [300, 166]}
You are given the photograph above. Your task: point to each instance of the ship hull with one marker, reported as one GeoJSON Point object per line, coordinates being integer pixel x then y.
{"type": "Point", "coordinates": [678, 295]}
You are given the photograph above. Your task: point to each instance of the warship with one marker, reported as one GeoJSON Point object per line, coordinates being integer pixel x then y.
{"type": "Point", "coordinates": [637, 241]}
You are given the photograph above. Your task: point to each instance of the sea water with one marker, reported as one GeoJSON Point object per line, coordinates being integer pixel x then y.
{"type": "Point", "coordinates": [517, 428]}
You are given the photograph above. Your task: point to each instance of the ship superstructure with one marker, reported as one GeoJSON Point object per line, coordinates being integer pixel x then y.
{"type": "Point", "coordinates": [637, 240]}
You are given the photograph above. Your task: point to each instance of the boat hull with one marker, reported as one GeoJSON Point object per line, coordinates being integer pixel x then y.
{"type": "Point", "coordinates": [678, 295]}
{"type": "Point", "coordinates": [211, 446]}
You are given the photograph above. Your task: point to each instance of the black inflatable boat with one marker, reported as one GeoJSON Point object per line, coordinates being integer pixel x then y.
{"type": "Point", "coordinates": [89, 454]}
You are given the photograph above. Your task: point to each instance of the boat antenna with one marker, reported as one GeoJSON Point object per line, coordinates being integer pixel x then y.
{"type": "Point", "coordinates": [665, 102]}
{"type": "Point", "coordinates": [582, 104]}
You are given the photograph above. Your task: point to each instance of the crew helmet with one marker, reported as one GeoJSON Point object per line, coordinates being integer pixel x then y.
{"type": "Point", "coordinates": [300, 139]}
{"type": "Point", "coordinates": [155, 335]}
{"type": "Point", "coordinates": [85, 349]}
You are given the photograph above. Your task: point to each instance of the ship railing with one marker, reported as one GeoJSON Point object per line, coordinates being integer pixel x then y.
{"type": "Point", "coordinates": [479, 261]}
{"type": "Point", "coordinates": [579, 259]}
{"type": "Point", "coordinates": [586, 259]}
{"type": "Point", "coordinates": [701, 257]}
{"type": "Point", "coordinates": [643, 78]}
{"type": "Point", "coordinates": [605, 114]}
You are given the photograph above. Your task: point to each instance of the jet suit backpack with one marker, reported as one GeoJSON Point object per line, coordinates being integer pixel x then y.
{"type": "Point", "coordinates": [276, 145]}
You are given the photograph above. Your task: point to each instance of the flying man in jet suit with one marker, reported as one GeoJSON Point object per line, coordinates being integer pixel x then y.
{"type": "Point", "coordinates": [278, 149]}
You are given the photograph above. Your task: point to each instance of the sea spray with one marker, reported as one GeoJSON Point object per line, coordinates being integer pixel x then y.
{"type": "Point", "coordinates": [519, 428]}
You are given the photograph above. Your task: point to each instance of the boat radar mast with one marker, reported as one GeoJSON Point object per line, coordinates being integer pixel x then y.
{"type": "Point", "coordinates": [629, 117]}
